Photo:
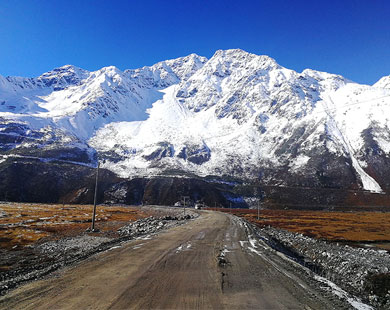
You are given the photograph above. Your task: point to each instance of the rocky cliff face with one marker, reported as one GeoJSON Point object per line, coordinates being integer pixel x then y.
{"type": "Point", "coordinates": [235, 115]}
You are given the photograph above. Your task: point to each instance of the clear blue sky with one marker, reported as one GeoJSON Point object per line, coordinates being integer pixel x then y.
{"type": "Point", "coordinates": [348, 37]}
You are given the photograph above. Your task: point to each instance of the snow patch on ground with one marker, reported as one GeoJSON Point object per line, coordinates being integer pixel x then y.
{"type": "Point", "coordinates": [243, 243]}
{"type": "Point", "coordinates": [147, 237]}
{"type": "Point", "coordinates": [299, 162]}
{"type": "Point", "coordinates": [353, 301]}
{"type": "Point", "coordinates": [114, 247]}
{"type": "Point", "coordinates": [183, 247]}
{"type": "Point", "coordinates": [138, 246]}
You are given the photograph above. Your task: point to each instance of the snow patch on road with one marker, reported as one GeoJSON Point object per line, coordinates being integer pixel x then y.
{"type": "Point", "coordinates": [137, 246]}
{"type": "Point", "coordinates": [242, 243]}
{"type": "Point", "coordinates": [147, 237]}
{"type": "Point", "coordinates": [183, 247]}
{"type": "Point", "coordinates": [224, 251]}
{"type": "Point", "coordinates": [114, 247]}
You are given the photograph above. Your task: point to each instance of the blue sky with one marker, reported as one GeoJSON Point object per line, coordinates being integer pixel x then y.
{"type": "Point", "coordinates": [348, 37]}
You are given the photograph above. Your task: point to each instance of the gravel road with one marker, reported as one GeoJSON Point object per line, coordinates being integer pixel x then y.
{"type": "Point", "coordinates": [210, 262]}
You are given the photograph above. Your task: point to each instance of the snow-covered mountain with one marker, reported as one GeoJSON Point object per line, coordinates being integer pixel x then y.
{"type": "Point", "coordinates": [235, 115]}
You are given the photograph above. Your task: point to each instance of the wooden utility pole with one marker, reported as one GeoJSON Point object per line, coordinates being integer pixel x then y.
{"type": "Point", "coordinates": [95, 198]}
{"type": "Point", "coordinates": [184, 199]}
{"type": "Point", "coordinates": [258, 209]}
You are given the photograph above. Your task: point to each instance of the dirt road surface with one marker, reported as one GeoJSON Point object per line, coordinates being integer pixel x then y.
{"type": "Point", "coordinates": [211, 262]}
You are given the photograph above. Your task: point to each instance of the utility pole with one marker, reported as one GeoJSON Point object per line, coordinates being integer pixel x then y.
{"type": "Point", "coordinates": [258, 209]}
{"type": "Point", "coordinates": [230, 211]}
{"type": "Point", "coordinates": [95, 198]}
{"type": "Point", "coordinates": [215, 205]}
{"type": "Point", "coordinates": [184, 199]}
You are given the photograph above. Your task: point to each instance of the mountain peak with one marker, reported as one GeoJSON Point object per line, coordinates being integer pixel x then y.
{"type": "Point", "coordinates": [232, 51]}
{"type": "Point", "coordinates": [66, 69]}
{"type": "Point", "coordinates": [240, 56]}
{"type": "Point", "coordinates": [62, 77]}
{"type": "Point", "coordinates": [110, 70]}
{"type": "Point", "coordinates": [71, 67]}
{"type": "Point", "coordinates": [191, 56]}
{"type": "Point", "coordinates": [168, 72]}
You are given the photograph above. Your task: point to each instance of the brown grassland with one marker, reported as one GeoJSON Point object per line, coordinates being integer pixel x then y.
{"type": "Point", "coordinates": [22, 224]}
{"type": "Point", "coordinates": [329, 225]}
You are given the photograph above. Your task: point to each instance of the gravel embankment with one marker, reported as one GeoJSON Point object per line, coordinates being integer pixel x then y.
{"type": "Point", "coordinates": [361, 271]}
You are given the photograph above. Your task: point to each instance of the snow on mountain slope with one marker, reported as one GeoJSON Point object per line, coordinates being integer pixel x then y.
{"type": "Point", "coordinates": [241, 111]}
{"type": "Point", "coordinates": [22, 95]}
{"type": "Point", "coordinates": [237, 114]}
{"type": "Point", "coordinates": [337, 134]}
{"type": "Point", "coordinates": [81, 102]}
{"type": "Point", "coordinates": [383, 82]}
{"type": "Point", "coordinates": [169, 72]}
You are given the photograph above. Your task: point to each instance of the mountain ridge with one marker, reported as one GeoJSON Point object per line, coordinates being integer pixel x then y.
{"type": "Point", "coordinates": [236, 114]}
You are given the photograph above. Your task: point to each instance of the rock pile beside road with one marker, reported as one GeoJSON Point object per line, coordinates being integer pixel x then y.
{"type": "Point", "coordinates": [361, 271]}
{"type": "Point", "coordinates": [151, 225]}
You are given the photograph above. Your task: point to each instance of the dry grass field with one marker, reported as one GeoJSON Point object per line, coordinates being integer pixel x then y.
{"type": "Point", "coordinates": [332, 226]}
{"type": "Point", "coordinates": [22, 224]}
